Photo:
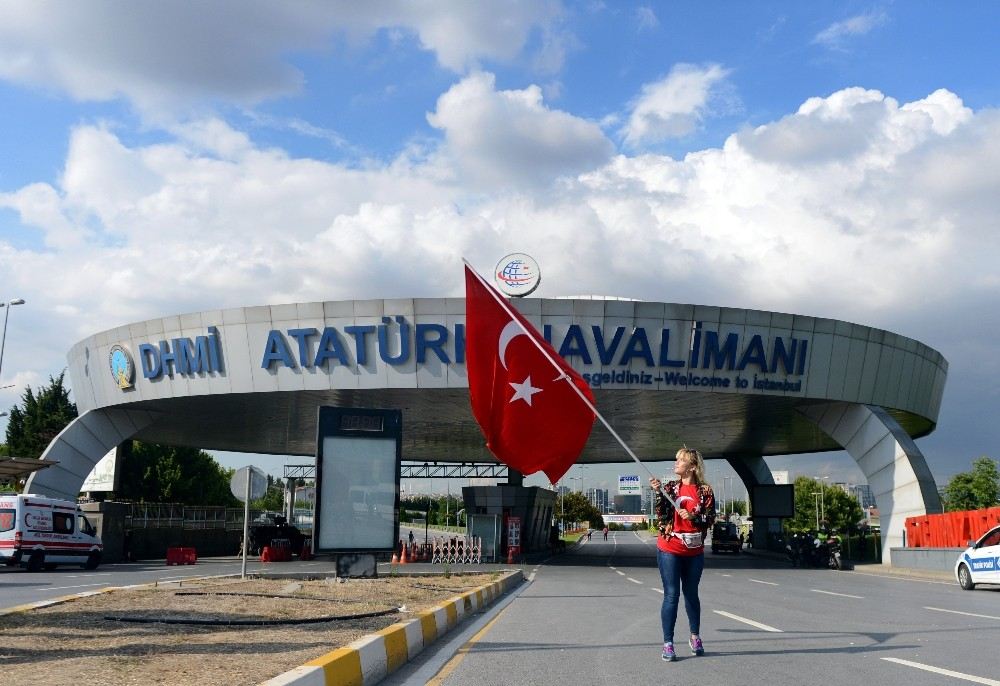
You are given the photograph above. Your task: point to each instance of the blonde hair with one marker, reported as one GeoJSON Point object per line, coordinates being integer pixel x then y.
{"type": "Point", "coordinates": [695, 458]}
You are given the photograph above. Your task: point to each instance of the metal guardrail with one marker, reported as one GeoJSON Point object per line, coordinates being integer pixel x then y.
{"type": "Point", "coordinates": [174, 515]}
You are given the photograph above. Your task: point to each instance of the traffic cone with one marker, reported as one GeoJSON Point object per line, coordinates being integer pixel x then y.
{"type": "Point", "coordinates": [510, 555]}
{"type": "Point", "coordinates": [403, 558]}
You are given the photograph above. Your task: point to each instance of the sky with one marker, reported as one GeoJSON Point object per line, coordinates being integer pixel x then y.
{"type": "Point", "coordinates": [831, 159]}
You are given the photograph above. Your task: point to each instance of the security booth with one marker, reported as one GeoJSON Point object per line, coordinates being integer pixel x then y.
{"type": "Point", "coordinates": [358, 456]}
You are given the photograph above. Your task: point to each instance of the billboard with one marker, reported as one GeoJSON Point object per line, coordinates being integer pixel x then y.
{"type": "Point", "coordinates": [104, 475]}
{"type": "Point", "coordinates": [358, 455]}
{"type": "Point", "coordinates": [772, 500]}
{"type": "Point", "coordinates": [629, 484]}
{"type": "Point", "coordinates": [624, 518]}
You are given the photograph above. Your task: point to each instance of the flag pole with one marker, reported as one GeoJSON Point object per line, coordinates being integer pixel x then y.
{"type": "Point", "coordinates": [562, 375]}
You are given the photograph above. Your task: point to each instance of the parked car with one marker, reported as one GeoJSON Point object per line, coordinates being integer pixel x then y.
{"type": "Point", "coordinates": [980, 562]}
{"type": "Point", "coordinates": [726, 536]}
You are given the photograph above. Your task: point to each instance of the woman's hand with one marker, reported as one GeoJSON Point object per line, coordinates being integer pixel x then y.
{"type": "Point", "coordinates": [684, 514]}
{"type": "Point", "coordinates": [654, 483]}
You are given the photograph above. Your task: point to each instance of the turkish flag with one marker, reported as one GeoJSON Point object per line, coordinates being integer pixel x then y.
{"type": "Point", "coordinates": [532, 418]}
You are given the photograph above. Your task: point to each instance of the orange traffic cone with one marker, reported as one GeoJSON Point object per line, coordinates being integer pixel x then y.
{"type": "Point", "coordinates": [403, 559]}
{"type": "Point", "coordinates": [510, 555]}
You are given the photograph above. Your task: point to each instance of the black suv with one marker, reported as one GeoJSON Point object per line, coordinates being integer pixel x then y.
{"type": "Point", "coordinates": [725, 536]}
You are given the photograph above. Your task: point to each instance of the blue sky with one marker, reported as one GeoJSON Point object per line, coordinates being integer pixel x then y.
{"type": "Point", "coordinates": [829, 159]}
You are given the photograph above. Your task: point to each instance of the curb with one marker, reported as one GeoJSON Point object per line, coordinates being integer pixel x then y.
{"type": "Point", "coordinates": [368, 660]}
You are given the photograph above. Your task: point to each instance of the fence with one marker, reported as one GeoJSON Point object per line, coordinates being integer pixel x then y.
{"type": "Point", "coordinates": [174, 516]}
{"type": "Point", "coordinates": [950, 529]}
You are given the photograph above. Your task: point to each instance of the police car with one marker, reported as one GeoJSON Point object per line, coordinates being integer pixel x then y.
{"type": "Point", "coordinates": [980, 562]}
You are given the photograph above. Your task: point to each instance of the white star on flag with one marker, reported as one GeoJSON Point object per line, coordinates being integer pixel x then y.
{"type": "Point", "coordinates": [524, 390]}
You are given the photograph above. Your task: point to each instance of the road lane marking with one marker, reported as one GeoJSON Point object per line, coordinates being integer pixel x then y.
{"type": "Point", "coordinates": [658, 590]}
{"type": "Point", "coordinates": [763, 627]}
{"type": "Point", "coordinates": [612, 567]}
{"type": "Point", "coordinates": [945, 672]}
{"type": "Point", "coordinates": [725, 575]}
{"type": "Point", "coordinates": [634, 581]}
{"type": "Point", "coordinates": [769, 583]}
{"type": "Point", "coordinates": [956, 612]}
{"type": "Point", "coordinates": [842, 595]}
{"type": "Point", "coordinates": [619, 572]}
{"type": "Point", "coordinates": [62, 588]}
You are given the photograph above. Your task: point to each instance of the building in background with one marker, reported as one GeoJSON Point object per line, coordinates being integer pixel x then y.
{"type": "Point", "coordinates": [598, 497]}
{"type": "Point", "coordinates": [628, 504]}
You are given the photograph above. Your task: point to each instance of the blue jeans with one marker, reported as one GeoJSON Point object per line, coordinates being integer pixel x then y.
{"type": "Point", "coordinates": [679, 573]}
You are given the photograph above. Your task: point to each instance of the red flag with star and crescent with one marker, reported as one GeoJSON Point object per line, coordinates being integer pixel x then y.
{"type": "Point", "coordinates": [531, 417]}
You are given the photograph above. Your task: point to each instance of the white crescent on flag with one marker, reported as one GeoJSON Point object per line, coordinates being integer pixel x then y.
{"type": "Point", "coordinates": [681, 499]}
{"type": "Point", "coordinates": [509, 333]}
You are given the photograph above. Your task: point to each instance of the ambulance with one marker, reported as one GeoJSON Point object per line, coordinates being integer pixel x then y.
{"type": "Point", "coordinates": [41, 533]}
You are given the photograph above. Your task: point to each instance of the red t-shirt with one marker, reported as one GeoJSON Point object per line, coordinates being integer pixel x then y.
{"type": "Point", "coordinates": [687, 498]}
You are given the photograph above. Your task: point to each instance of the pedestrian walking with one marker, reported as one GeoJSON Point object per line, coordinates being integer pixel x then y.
{"type": "Point", "coordinates": [605, 533]}
{"type": "Point", "coordinates": [680, 546]}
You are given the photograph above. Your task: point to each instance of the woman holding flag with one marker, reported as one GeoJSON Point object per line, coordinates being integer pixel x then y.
{"type": "Point", "coordinates": [684, 515]}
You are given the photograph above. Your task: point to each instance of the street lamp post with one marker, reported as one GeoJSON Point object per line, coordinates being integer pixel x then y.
{"type": "Point", "coordinates": [816, 504]}
{"type": "Point", "coordinates": [3, 341]}
{"type": "Point", "coordinates": [726, 488]}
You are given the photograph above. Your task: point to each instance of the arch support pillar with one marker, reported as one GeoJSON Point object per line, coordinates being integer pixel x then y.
{"type": "Point", "coordinates": [895, 468]}
{"type": "Point", "coordinates": [752, 470]}
{"type": "Point", "coordinates": [81, 445]}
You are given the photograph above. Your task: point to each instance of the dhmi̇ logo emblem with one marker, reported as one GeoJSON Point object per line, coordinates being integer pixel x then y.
{"type": "Point", "coordinates": [122, 366]}
{"type": "Point", "coordinates": [517, 275]}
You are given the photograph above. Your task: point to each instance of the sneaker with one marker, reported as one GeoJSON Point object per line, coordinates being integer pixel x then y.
{"type": "Point", "coordinates": [696, 646]}
{"type": "Point", "coordinates": [668, 653]}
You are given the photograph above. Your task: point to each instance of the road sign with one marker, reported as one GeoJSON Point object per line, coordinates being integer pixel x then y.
{"type": "Point", "coordinates": [258, 483]}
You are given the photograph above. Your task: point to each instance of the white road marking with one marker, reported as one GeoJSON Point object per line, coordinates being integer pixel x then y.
{"type": "Point", "coordinates": [634, 581]}
{"type": "Point", "coordinates": [842, 595]}
{"type": "Point", "coordinates": [725, 575]}
{"type": "Point", "coordinates": [658, 590]}
{"type": "Point", "coordinates": [63, 588]}
{"type": "Point", "coordinates": [956, 612]}
{"type": "Point", "coordinates": [612, 567]}
{"type": "Point", "coordinates": [945, 672]}
{"type": "Point", "coordinates": [763, 627]}
{"type": "Point", "coordinates": [619, 572]}
{"type": "Point", "coordinates": [769, 583]}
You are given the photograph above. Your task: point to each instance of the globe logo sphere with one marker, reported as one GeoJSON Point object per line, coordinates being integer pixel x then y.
{"type": "Point", "coordinates": [122, 367]}
{"type": "Point", "coordinates": [517, 275]}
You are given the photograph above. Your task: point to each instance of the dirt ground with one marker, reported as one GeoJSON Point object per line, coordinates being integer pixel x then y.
{"type": "Point", "coordinates": [76, 643]}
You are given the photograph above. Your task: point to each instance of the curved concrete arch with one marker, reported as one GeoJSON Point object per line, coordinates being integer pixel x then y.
{"type": "Point", "coordinates": [896, 469]}
{"type": "Point", "coordinates": [81, 445]}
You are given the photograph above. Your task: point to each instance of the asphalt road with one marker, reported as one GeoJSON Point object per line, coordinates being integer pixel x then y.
{"type": "Point", "coordinates": [592, 617]}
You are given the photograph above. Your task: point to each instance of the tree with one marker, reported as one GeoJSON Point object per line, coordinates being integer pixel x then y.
{"type": "Point", "coordinates": [576, 508]}
{"type": "Point", "coordinates": [274, 496]}
{"type": "Point", "coordinates": [975, 489]}
{"type": "Point", "coordinates": [40, 418]}
{"type": "Point", "coordinates": [163, 474]}
{"type": "Point", "coordinates": [839, 510]}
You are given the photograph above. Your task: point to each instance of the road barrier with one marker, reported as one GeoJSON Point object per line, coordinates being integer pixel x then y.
{"type": "Point", "coordinates": [181, 556]}
{"type": "Point", "coordinates": [950, 529]}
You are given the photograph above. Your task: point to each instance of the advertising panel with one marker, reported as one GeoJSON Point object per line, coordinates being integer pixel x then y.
{"type": "Point", "coordinates": [629, 484]}
{"type": "Point", "coordinates": [357, 480]}
{"type": "Point", "coordinates": [104, 475]}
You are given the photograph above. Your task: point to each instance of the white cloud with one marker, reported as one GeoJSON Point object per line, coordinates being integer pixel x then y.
{"type": "Point", "coordinates": [834, 35]}
{"type": "Point", "coordinates": [855, 207]}
{"type": "Point", "coordinates": [166, 55]}
{"type": "Point", "coordinates": [673, 106]}
{"type": "Point", "coordinates": [646, 18]}
{"type": "Point", "coordinates": [510, 138]}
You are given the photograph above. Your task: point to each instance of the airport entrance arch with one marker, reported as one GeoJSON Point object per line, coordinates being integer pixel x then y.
{"type": "Point", "coordinates": [738, 384]}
